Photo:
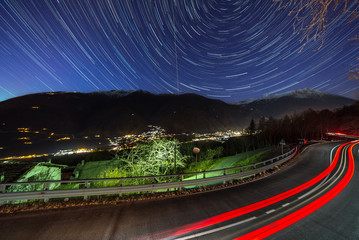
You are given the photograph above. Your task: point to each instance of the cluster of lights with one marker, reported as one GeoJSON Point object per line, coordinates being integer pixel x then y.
{"type": "Point", "coordinates": [24, 138]}
{"type": "Point", "coordinates": [23, 130]}
{"type": "Point", "coordinates": [127, 141]}
{"type": "Point", "coordinates": [27, 130]}
{"type": "Point", "coordinates": [62, 139]}
{"type": "Point", "coordinates": [59, 153]}
{"type": "Point", "coordinates": [70, 152]}
{"type": "Point", "coordinates": [217, 136]}
{"type": "Point", "coordinates": [25, 157]}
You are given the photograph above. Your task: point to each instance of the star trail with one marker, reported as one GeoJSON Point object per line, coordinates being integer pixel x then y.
{"type": "Point", "coordinates": [228, 50]}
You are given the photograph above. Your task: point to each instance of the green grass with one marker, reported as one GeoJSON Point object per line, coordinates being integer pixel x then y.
{"type": "Point", "coordinates": [95, 169]}
{"type": "Point", "coordinates": [69, 186]}
{"type": "Point", "coordinates": [237, 160]}
{"type": "Point", "coordinates": [92, 170]}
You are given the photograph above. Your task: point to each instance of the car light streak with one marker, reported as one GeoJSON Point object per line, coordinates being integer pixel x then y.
{"type": "Point", "coordinates": [258, 205]}
{"type": "Point", "coordinates": [282, 223]}
{"type": "Point", "coordinates": [343, 135]}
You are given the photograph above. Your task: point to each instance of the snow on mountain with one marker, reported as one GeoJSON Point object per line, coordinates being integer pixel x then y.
{"type": "Point", "coordinates": [294, 102]}
{"type": "Point", "coordinates": [304, 93]}
{"type": "Point", "coordinates": [113, 93]}
{"type": "Point", "coordinates": [300, 93]}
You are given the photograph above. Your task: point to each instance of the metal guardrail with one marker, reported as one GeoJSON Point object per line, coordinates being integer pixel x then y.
{"type": "Point", "coordinates": [224, 175]}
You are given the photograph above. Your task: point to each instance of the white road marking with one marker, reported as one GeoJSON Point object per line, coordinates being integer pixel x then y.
{"type": "Point", "coordinates": [270, 211]}
{"type": "Point", "coordinates": [286, 204]}
{"type": "Point", "coordinates": [305, 149]}
{"type": "Point", "coordinates": [325, 179]}
{"type": "Point", "coordinates": [216, 229]}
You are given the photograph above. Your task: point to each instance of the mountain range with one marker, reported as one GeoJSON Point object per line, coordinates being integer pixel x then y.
{"type": "Point", "coordinates": [114, 113]}
{"type": "Point", "coordinates": [294, 102]}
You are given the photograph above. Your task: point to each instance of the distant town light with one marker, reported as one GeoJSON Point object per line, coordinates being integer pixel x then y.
{"type": "Point", "coordinates": [24, 138]}
{"type": "Point", "coordinates": [62, 139]}
{"type": "Point", "coordinates": [25, 130]}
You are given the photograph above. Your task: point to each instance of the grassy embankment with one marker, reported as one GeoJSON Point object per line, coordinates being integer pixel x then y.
{"type": "Point", "coordinates": [241, 159]}
{"type": "Point", "coordinates": [105, 169]}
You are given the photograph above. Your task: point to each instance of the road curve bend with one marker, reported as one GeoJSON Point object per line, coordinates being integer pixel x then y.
{"type": "Point", "coordinates": [313, 198]}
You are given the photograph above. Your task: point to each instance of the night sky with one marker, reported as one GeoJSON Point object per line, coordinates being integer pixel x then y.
{"type": "Point", "coordinates": [228, 50]}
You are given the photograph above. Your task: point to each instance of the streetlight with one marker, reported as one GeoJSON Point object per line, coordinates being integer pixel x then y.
{"type": "Point", "coordinates": [196, 150]}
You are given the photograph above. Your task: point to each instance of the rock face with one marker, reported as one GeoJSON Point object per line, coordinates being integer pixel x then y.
{"type": "Point", "coordinates": [114, 113]}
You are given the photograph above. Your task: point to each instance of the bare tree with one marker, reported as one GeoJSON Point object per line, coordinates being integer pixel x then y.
{"type": "Point", "coordinates": [313, 19]}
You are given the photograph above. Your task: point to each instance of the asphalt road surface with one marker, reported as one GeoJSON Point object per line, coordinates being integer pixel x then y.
{"type": "Point", "coordinates": [266, 204]}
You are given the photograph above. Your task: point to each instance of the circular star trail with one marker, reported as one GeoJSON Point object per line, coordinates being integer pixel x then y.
{"type": "Point", "coordinates": [229, 50]}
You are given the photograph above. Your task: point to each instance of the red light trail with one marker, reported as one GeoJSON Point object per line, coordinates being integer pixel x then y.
{"type": "Point", "coordinates": [261, 204]}
{"type": "Point", "coordinates": [282, 223]}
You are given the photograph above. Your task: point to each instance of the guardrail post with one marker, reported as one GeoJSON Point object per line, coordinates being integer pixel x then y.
{"type": "Point", "coordinates": [86, 186]}
{"type": "Point", "coordinates": [47, 187]}
{"type": "Point", "coordinates": [45, 199]}
{"type": "Point", "coordinates": [204, 176]}
{"type": "Point", "coordinates": [153, 182]}
{"type": "Point", "coordinates": [224, 173]}
{"type": "Point", "coordinates": [121, 181]}
{"type": "Point", "coordinates": [3, 188]}
{"type": "Point", "coordinates": [180, 187]}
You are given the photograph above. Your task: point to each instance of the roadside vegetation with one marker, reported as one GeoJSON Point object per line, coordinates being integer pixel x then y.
{"type": "Point", "coordinates": [168, 156]}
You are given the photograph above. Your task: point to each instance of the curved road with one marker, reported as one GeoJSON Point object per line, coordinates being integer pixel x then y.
{"type": "Point", "coordinates": [222, 214]}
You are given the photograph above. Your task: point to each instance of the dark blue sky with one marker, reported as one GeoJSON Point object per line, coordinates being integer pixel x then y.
{"type": "Point", "coordinates": [229, 50]}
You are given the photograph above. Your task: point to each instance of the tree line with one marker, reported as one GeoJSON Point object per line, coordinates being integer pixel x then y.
{"type": "Point", "coordinates": [309, 124]}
